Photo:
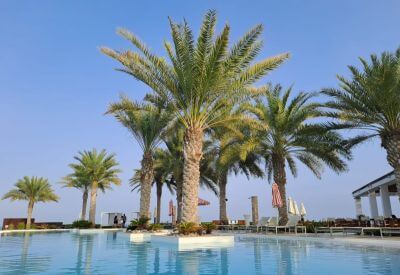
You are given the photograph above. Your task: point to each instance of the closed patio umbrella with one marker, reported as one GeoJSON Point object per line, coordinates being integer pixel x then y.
{"type": "Point", "coordinates": [291, 209]}
{"type": "Point", "coordinates": [276, 196]}
{"type": "Point", "coordinates": [296, 209]}
{"type": "Point", "coordinates": [303, 211]}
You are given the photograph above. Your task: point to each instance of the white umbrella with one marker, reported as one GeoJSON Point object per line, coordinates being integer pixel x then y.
{"type": "Point", "coordinates": [296, 209]}
{"type": "Point", "coordinates": [291, 209]}
{"type": "Point", "coordinates": [303, 211]}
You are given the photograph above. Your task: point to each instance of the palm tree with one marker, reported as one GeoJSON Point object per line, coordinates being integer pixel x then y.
{"type": "Point", "coordinates": [147, 124]}
{"type": "Point", "coordinates": [98, 168]}
{"type": "Point", "coordinates": [289, 132]}
{"type": "Point", "coordinates": [161, 178]}
{"type": "Point", "coordinates": [173, 161]}
{"type": "Point", "coordinates": [370, 101]}
{"type": "Point", "coordinates": [33, 190]}
{"type": "Point", "coordinates": [224, 156]}
{"type": "Point", "coordinates": [199, 81]}
{"type": "Point", "coordinates": [78, 180]}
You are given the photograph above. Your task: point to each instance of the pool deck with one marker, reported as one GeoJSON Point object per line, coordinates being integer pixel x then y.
{"type": "Point", "coordinates": [387, 242]}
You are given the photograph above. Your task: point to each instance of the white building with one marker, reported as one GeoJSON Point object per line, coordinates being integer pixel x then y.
{"type": "Point", "coordinates": [382, 187]}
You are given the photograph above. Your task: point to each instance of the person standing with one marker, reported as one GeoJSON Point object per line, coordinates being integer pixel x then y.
{"type": "Point", "coordinates": [116, 221]}
{"type": "Point", "coordinates": [123, 220]}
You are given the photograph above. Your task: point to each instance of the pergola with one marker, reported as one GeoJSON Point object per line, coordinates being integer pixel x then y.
{"type": "Point", "coordinates": [384, 187]}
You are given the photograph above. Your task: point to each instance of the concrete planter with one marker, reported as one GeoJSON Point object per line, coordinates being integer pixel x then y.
{"type": "Point", "coordinates": [140, 237]}
{"type": "Point", "coordinates": [198, 242]}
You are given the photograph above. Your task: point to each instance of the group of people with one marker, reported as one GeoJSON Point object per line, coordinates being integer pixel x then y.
{"type": "Point", "coordinates": [120, 222]}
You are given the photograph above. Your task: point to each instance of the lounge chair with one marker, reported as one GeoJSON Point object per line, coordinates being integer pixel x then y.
{"type": "Point", "coordinates": [263, 222]}
{"type": "Point", "coordinates": [272, 224]}
{"type": "Point", "coordinates": [291, 223]}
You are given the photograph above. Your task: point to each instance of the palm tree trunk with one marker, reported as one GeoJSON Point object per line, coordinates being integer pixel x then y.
{"type": "Point", "coordinates": [278, 163]}
{"type": "Point", "coordinates": [179, 200]}
{"type": "Point", "coordinates": [146, 180]}
{"type": "Point", "coordinates": [93, 201]}
{"type": "Point", "coordinates": [30, 210]}
{"type": "Point", "coordinates": [84, 204]}
{"type": "Point", "coordinates": [192, 153]}
{"type": "Point", "coordinates": [159, 194]}
{"type": "Point", "coordinates": [223, 180]}
{"type": "Point", "coordinates": [392, 146]}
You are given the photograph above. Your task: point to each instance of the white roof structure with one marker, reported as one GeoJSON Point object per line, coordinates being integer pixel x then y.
{"type": "Point", "coordinates": [384, 187]}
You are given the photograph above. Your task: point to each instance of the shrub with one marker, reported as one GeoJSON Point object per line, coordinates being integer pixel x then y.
{"type": "Point", "coordinates": [208, 227]}
{"type": "Point", "coordinates": [43, 226]}
{"type": "Point", "coordinates": [155, 227]}
{"type": "Point", "coordinates": [187, 228]}
{"type": "Point", "coordinates": [21, 226]}
{"type": "Point", "coordinates": [139, 224]}
{"type": "Point", "coordinates": [198, 229]}
{"type": "Point", "coordinates": [82, 224]}
{"type": "Point", "coordinates": [11, 227]}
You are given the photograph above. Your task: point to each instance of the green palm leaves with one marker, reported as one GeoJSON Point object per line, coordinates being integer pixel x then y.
{"type": "Point", "coordinates": [200, 80]}
{"type": "Point", "coordinates": [145, 122]}
{"type": "Point", "coordinates": [370, 100]}
{"type": "Point", "coordinates": [33, 190]}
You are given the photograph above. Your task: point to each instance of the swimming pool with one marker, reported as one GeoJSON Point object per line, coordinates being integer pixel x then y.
{"type": "Point", "coordinates": [112, 253]}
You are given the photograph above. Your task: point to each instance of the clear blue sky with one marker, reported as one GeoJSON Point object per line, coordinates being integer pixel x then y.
{"type": "Point", "coordinates": [55, 86]}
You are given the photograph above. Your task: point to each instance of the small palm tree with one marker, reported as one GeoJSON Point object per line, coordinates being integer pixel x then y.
{"type": "Point", "coordinates": [370, 101]}
{"type": "Point", "coordinates": [199, 81]}
{"type": "Point", "coordinates": [224, 156]}
{"type": "Point", "coordinates": [147, 124]}
{"type": "Point", "coordinates": [289, 133]}
{"type": "Point", "coordinates": [33, 190]}
{"type": "Point", "coordinates": [98, 168]}
{"type": "Point", "coordinates": [79, 180]}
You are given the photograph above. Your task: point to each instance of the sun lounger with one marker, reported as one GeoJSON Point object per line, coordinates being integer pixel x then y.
{"type": "Point", "coordinates": [258, 227]}
{"type": "Point", "coordinates": [345, 230]}
{"type": "Point", "coordinates": [390, 231]}
{"type": "Point", "coordinates": [291, 223]}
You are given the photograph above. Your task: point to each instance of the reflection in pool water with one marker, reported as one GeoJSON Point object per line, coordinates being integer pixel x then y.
{"type": "Point", "coordinates": [112, 253]}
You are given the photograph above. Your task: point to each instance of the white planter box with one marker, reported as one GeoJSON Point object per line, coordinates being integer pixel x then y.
{"type": "Point", "coordinates": [188, 243]}
{"type": "Point", "coordinates": [141, 237]}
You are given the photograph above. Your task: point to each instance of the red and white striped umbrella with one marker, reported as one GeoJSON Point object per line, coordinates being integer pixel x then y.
{"type": "Point", "coordinates": [276, 196]}
{"type": "Point", "coordinates": [202, 202]}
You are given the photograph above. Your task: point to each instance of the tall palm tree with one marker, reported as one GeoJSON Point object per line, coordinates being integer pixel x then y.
{"type": "Point", "coordinates": [174, 162]}
{"type": "Point", "coordinates": [199, 81]}
{"type": "Point", "coordinates": [370, 101]}
{"type": "Point", "coordinates": [78, 179]}
{"type": "Point", "coordinates": [98, 168]}
{"type": "Point", "coordinates": [33, 190]}
{"type": "Point", "coordinates": [147, 124]}
{"type": "Point", "coordinates": [290, 132]}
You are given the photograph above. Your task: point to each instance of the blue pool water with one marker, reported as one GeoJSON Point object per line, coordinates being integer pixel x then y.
{"type": "Point", "coordinates": [112, 253]}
